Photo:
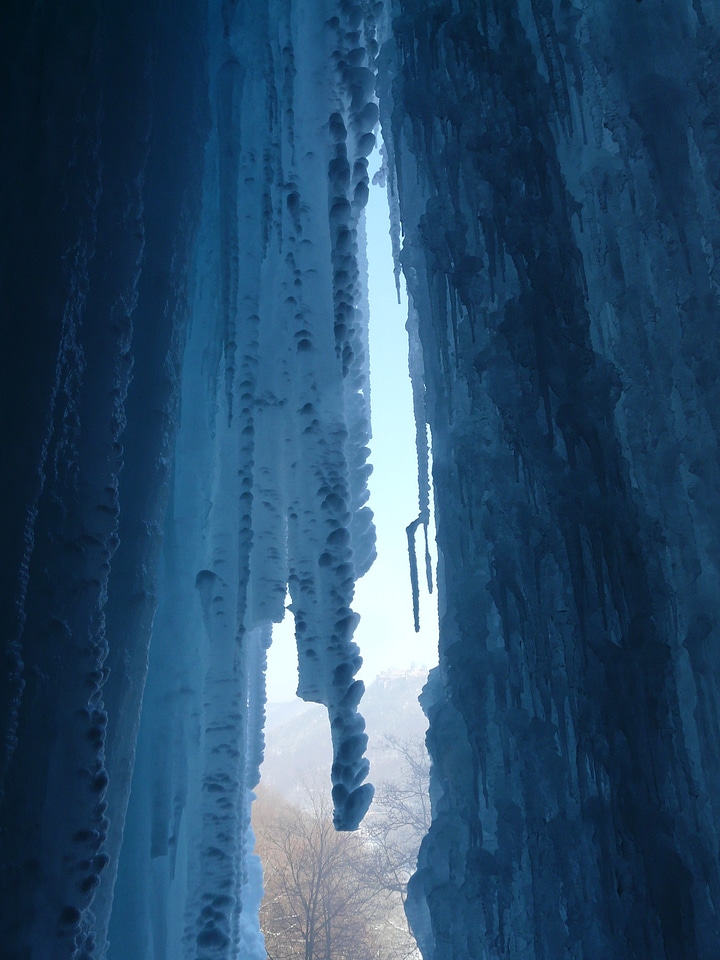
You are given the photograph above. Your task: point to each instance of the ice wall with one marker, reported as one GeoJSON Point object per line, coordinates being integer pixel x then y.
{"type": "Point", "coordinates": [558, 191]}
{"type": "Point", "coordinates": [186, 414]}
{"type": "Point", "coordinates": [100, 162]}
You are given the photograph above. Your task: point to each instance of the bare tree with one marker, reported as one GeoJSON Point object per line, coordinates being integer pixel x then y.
{"type": "Point", "coordinates": [318, 904]}
{"type": "Point", "coordinates": [340, 896]}
{"type": "Point", "coordinates": [400, 816]}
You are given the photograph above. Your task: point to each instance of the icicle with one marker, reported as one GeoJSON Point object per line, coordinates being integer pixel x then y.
{"type": "Point", "coordinates": [395, 232]}
{"type": "Point", "coordinates": [229, 96]}
{"type": "Point", "coordinates": [358, 406]}
{"type": "Point", "coordinates": [414, 580]}
{"type": "Point", "coordinates": [386, 176]}
{"type": "Point", "coordinates": [315, 396]}
{"type": "Point", "coordinates": [416, 368]}
{"type": "Point", "coordinates": [417, 378]}
{"type": "Point", "coordinates": [391, 172]}
{"type": "Point", "coordinates": [428, 560]}
{"type": "Point", "coordinates": [386, 64]}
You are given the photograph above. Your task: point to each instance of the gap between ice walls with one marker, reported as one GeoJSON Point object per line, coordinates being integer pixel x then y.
{"type": "Point", "coordinates": [189, 402]}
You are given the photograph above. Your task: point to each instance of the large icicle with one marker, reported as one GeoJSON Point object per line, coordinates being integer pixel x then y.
{"type": "Point", "coordinates": [326, 134]}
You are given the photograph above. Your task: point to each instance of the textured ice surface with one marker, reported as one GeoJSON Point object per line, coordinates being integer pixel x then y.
{"type": "Point", "coordinates": [558, 196]}
{"type": "Point", "coordinates": [99, 169]}
{"type": "Point", "coordinates": [270, 482]}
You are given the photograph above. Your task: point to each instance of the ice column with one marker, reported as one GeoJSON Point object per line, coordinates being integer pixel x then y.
{"type": "Point", "coordinates": [270, 473]}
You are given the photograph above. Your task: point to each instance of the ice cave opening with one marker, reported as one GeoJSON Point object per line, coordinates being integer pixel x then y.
{"type": "Point", "coordinates": [383, 597]}
{"type": "Point", "coordinates": [365, 875]}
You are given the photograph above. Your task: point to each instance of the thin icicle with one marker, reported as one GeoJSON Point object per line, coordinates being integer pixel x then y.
{"type": "Point", "coordinates": [414, 579]}
{"type": "Point", "coordinates": [386, 63]}
{"type": "Point", "coordinates": [428, 560]}
{"type": "Point", "coordinates": [416, 369]}
{"type": "Point", "coordinates": [386, 177]}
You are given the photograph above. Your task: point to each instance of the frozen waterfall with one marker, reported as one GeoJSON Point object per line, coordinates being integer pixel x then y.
{"type": "Point", "coordinates": [186, 430]}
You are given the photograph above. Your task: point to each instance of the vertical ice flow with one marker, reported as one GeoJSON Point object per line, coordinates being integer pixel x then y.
{"type": "Point", "coordinates": [270, 486]}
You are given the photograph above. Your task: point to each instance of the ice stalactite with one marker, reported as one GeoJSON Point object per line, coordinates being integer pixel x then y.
{"type": "Point", "coordinates": [327, 136]}
{"type": "Point", "coordinates": [417, 377]}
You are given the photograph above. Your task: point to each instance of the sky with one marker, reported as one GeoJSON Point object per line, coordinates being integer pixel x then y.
{"type": "Point", "coordinates": [383, 597]}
